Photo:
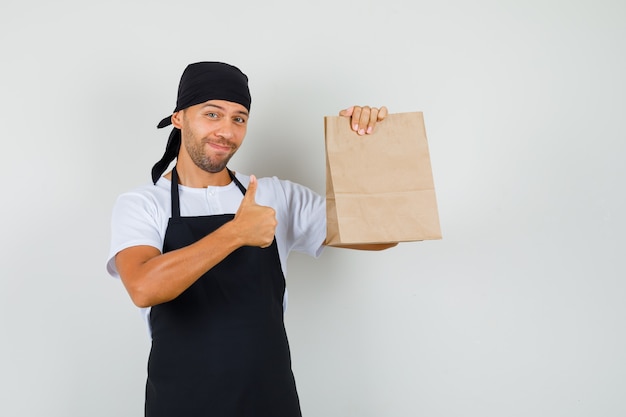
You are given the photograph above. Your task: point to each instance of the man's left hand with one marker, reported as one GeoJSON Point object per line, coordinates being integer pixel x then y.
{"type": "Point", "coordinates": [364, 118]}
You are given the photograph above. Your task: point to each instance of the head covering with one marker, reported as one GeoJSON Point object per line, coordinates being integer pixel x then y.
{"type": "Point", "coordinates": [201, 82]}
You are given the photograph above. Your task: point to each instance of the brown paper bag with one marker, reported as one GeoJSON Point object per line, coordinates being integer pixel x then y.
{"type": "Point", "coordinates": [379, 187]}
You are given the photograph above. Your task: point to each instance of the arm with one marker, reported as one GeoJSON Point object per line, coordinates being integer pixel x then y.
{"type": "Point", "coordinates": [152, 278]}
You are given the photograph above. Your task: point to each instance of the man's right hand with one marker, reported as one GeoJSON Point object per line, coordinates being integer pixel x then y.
{"type": "Point", "coordinates": [152, 277]}
{"type": "Point", "coordinates": [256, 224]}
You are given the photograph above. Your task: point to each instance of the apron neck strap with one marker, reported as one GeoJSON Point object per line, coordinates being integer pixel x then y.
{"type": "Point", "coordinates": [239, 184]}
{"type": "Point", "coordinates": [174, 194]}
{"type": "Point", "coordinates": [176, 199]}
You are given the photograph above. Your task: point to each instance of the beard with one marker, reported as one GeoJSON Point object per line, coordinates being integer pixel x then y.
{"type": "Point", "coordinates": [197, 151]}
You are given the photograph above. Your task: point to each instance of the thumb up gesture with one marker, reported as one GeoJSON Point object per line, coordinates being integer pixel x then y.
{"type": "Point", "coordinates": [256, 224]}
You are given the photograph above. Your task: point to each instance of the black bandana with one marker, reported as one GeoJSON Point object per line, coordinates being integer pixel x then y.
{"type": "Point", "coordinates": [201, 82]}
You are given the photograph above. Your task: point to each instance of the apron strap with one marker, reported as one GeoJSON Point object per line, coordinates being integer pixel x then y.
{"type": "Point", "coordinates": [174, 191]}
{"type": "Point", "coordinates": [174, 194]}
{"type": "Point", "coordinates": [239, 184]}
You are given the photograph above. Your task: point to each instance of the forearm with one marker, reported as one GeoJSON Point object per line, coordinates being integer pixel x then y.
{"type": "Point", "coordinates": [163, 277]}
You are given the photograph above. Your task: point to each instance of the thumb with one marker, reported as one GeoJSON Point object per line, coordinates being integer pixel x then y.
{"type": "Point", "coordinates": [251, 191]}
{"type": "Point", "coordinates": [347, 112]}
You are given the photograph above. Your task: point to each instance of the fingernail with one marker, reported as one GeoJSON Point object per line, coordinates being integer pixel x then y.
{"type": "Point", "coordinates": [355, 127]}
{"type": "Point", "coordinates": [361, 132]}
{"type": "Point", "coordinates": [369, 130]}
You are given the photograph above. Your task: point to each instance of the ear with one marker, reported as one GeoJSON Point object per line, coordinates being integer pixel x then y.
{"type": "Point", "coordinates": [177, 119]}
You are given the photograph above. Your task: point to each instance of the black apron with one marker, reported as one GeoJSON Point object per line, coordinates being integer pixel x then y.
{"type": "Point", "coordinates": [220, 348]}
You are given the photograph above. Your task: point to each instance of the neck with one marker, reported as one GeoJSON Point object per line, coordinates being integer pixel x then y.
{"type": "Point", "coordinates": [190, 175]}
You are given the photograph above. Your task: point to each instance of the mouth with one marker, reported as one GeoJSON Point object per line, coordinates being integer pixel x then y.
{"type": "Point", "coordinates": [221, 147]}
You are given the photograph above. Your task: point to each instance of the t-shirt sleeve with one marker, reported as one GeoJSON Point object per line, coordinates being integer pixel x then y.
{"type": "Point", "coordinates": [136, 220]}
{"type": "Point", "coordinates": [307, 225]}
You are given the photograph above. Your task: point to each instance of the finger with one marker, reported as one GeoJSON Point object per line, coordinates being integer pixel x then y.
{"type": "Point", "coordinates": [376, 115]}
{"type": "Point", "coordinates": [249, 197]}
{"type": "Point", "coordinates": [347, 112]}
{"type": "Point", "coordinates": [372, 121]}
{"type": "Point", "coordinates": [356, 116]}
{"type": "Point", "coordinates": [382, 113]}
{"type": "Point", "coordinates": [364, 119]}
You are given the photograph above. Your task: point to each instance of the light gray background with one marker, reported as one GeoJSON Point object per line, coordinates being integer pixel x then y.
{"type": "Point", "coordinates": [518, 311]}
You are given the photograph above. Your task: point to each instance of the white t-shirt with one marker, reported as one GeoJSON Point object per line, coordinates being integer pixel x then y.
{"type": "Point", "coordinates": [140, 216]}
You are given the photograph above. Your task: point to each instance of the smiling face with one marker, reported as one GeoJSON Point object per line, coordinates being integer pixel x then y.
{"type": "Point", "coordinates": [211, 133]}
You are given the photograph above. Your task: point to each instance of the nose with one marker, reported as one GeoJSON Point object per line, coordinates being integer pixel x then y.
{"type": "Point", "coordinates": [225, 130]}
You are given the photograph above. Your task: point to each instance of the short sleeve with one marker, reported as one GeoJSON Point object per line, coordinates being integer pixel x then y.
{"type": "Point", "coordinates": [307, 230]}
{"type": "Point", "coordinates": [136, 220]}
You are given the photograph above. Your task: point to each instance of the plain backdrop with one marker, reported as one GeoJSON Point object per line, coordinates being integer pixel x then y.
{"type": "Point", "coordinates": [518, 311]}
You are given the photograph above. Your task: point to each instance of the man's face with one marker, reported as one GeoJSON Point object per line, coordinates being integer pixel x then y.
{"type": "Point", "coordinates": [212, 132]}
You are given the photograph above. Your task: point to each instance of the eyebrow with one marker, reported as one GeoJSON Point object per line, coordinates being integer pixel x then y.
{"type": "Point", "coordinates": [223, 109]}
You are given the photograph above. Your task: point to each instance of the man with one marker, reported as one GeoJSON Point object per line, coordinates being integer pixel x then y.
{"type": "Point", "coordinates": [202, 251]}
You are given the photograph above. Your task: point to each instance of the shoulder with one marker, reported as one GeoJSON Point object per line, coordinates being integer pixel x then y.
{"type": "Point", "coordinates": [149, 197]}
{"type": "Point", "coordinates": [150, 190]}
{"type": "Point", "coordinates": [276, 187]}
